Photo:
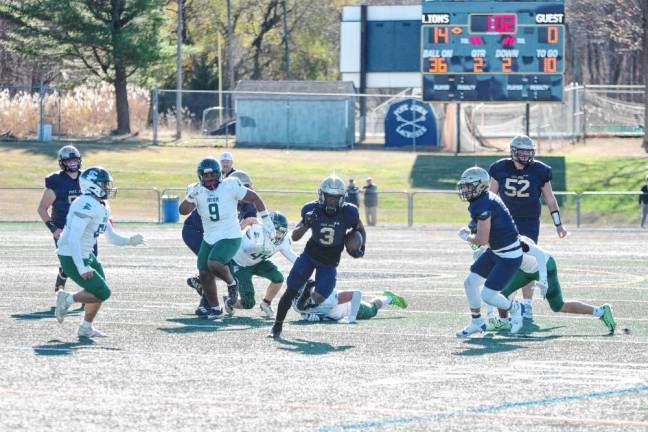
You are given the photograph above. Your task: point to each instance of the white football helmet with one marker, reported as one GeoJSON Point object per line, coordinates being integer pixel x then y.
{"type": "Point", "coordinates": [97, 181]}
{"type": "Point", "coordinates": [331, 187]}
{"type": "Point", "coordinates": [243, 177]}
{"type": "Point", "coordinates": [473, 183]}
{"type": "Point", "coordinates": [526, 144]}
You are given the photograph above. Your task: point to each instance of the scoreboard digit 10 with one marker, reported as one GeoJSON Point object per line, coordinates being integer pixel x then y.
{"type": "Point", "coordinates": [493, 51]}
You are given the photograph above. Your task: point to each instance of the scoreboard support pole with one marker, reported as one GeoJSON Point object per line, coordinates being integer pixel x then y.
{"type": "Point", "coordinates": [458, 128]}
{"type": "Point", "coordinates": [527, 120]}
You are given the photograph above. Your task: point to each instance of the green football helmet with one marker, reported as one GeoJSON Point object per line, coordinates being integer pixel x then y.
{"type": "Point", "coordinates": [281, 225]}
{"type": "Point", "coordinates": [209, 165]}
{"type": "Point", "coordinates": [97, 181]}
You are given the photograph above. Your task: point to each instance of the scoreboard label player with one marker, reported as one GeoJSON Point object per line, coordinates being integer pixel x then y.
{"type": "Point", "coordinates": [497, 51]}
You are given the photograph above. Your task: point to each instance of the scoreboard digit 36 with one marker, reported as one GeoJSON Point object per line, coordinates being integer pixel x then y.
{"type": "Point", "coordinates": [493, 51]}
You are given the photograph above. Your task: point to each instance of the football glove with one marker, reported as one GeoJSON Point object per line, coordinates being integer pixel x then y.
{"type": "Point", "coordinates": [192, 192]}
{"type": "Point", "coordinates": [268, 226]}
{"type": "Point", "coordinates": [136, 239]}
{"type": "Point", "coordinates": [463, 233]}
{"type": "Point", "coordinates": [309, 218]}
{"type": "Point", "coordinates": [544, 287]}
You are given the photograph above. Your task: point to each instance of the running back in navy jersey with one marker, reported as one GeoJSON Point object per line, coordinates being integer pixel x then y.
{"type": "Point", "coordinates": [521, 189]}
{"type": "Point", "coordinates": [503, 231]}
{"type": "Point", "coordinates": [327, 232]}
{"type": "Point", "coordinates": [66, 189]}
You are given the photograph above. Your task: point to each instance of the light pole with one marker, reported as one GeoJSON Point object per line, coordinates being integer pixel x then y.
{"type": "Point", "coordinates": [179, 73]}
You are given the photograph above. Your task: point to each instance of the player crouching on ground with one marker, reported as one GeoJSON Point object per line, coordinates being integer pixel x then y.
{"type": "Point", "coordinates": [87, 219]}
{"type": "Point", "coordinates": [540, 267]}
{"type": "Point", "coordinates": [253, 259]}
{"type": "Point", "coordinates": [346, 307]}
{"type": "Point", "coordinates": [495, 268]}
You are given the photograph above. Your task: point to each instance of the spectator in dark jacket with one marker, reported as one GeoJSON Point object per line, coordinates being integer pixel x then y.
{"type": "Point", "coordinates": [643, 203]}
{"type": "Point", "coordinates": [370, 191]}
{"type": "Point", "coordinates": [352, 193]}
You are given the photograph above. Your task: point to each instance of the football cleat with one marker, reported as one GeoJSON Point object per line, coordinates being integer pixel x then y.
{"type": "Point", "coordinates": [267, 309]}
{"type": "Point", "coordinates": [275, 332]}
{"type": "Point", "coordinates": [607, 318]}
{"type": "Point", "coordinates": [229, 309]}
{"type": "Point", "coordinates": [62, 305]}
{"type": "Point", "coordinates": [194, 282]}
{"type": "Point", "coordinates": [214, 313]}
{"type": "Point", "coordinates": [396, 300]}
{"type": "Point", "coordinates": [232, 294]}
{"type": "Point", "coordinates": [528, 311]}
{"type": "Point", "coordinates": [475, 326]}
{"type": "Point", "coordinates": [517, 320]}
{"type": "Point", "coordinates": [90, 332]}
{"type": "Point", "coordinates": [201, 310]}
{"type": "Point", "coordinates": [497, 324]}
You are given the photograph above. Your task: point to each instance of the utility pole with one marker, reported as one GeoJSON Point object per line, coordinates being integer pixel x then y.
{"type": "Point", "coordinates": [230, 54]}
{"type": "Point", "coordinates": [179, 72]}
{"type": "Point", "coordinates": [286, 41]}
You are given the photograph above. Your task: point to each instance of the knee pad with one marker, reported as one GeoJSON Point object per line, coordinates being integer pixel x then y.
{"type": "Point", "coordinates": [495, 298]}
{"type": "Point", "coordinates": [472, 285]}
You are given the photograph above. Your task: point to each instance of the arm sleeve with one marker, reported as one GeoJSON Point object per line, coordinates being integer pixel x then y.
{"type": "Point", "coordinates": [286, 250]}
{"type": "Point", "coordinates": [77, 225]}
{"type": "Point", "coordinates": [541, 259]}
{"type": "Point", "coordinates": [114, 237]}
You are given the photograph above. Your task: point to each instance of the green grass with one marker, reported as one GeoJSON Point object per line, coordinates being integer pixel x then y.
{"type": "Point", "coordinates": [140, 165]}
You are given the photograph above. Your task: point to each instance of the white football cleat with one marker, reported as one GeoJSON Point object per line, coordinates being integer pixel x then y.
{"type": "Point", "coordinates": [267, 309]}
{"type": "Point", "coordinates": [62, 305]}
{"type": "Point", "coordinates": [528, 311]}
{"type": "Point", "coordinates": [475, 326]}
{"type": "Point", "coordinates": [517, 319]}
{"type": "Point", "coordinates": [90, 332]}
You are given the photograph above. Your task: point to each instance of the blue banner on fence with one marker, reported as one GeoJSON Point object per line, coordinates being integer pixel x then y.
{"type": "Point", "coordinates": [410, 122]}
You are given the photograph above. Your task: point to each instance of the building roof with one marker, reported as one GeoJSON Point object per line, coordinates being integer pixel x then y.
{"type": "Point", "coordinates": [337, 87]}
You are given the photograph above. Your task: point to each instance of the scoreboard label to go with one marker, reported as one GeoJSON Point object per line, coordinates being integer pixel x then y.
{"type": "Point", "coordinates": [515, 50]}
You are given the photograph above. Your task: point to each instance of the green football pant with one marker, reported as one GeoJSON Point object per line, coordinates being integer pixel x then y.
{"type": "Point", "coordinates": [96, 285]}
{"type": "Point", "coordinates": [554, 292]}
{"type": "Point", "coordinates": [222, 251]}
{"type": "Point", "coordinates": [265, 269]}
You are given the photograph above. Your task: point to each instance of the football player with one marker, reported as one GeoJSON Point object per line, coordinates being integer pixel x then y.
{"type": "Point", "coordinates": [495, 268]}
{"type": "Point", "coordinates": [61, 188]}
{"type": "Point", "coordinates": [521, 181]}
{"type": "Point", "coordinates": [328, 218]}
{"type": "Point", "coordinates": [253, 259]}
{"type": "Point", "coordinates": [86, 220]}
{"type": "Point", "coordinates": [348, 306]}
{"type": "Point", "coordinates": [216, 201]}
{"type": "Point", "coordinates": [540, 267]}
{"type": "Point", "coordinates": [192, 229]}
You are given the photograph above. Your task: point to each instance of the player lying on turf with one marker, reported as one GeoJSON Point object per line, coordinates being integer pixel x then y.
{"type": "Point", "coordinates": [540, 267]}
{"type": "Point", "coordinates": [253, 259]}
{"type": "Point", "coordinates": [347, 306]}
{"type": "Point", "coordinates": [495, 268]}
{"type": "Point", "coordinates": [216, 201]}
{"type": "Point", "coordinates": [87, 219]}
{"type": "Point", "coordinates": [329, 218]}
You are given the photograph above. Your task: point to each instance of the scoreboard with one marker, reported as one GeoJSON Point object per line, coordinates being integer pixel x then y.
{"type": "Point", "coordinates": [493, 51]}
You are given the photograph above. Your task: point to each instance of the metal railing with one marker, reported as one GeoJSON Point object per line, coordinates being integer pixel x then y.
{"type": "Point", "coordinates": [144, 204]}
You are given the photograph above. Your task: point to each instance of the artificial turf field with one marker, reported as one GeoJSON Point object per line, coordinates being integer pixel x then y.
{"type": "Point", "coordinates": [161, 368]}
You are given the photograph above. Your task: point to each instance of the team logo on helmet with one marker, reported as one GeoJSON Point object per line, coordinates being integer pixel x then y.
{"type": "Point", "coordinates": [69, 158]}
{"type": "Point", "coordinates": [473, 183]}
{"type": "Point", "coordinates": [97, 181]}
{"type": "Point", "coordinates": [523, 149]}
{"type": "Point", "coordinates": [209, 173]}
{"type": "Point", "coordinates": [331, 194]}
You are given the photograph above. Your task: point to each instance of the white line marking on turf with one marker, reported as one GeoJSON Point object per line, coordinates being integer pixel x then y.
{"type": "Point", "coordinates": [577, 421]}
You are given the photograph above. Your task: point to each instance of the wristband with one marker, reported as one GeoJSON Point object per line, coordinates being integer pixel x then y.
{"type": "Point", "coordinates": [555, 215]}
{"type": "Point", "coordinates": [51, 226]}
{"type": "Point", "coordinates": [263, 214]}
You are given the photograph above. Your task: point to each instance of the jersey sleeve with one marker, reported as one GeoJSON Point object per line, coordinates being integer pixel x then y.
{"type": "Point", "coordinates": [492, 170]}
{"type": "Point", "coordinates": [50, 181]}
{"type": "Point", "coordinates": [352, 216]}
{"type": "Point", "coordinates": [547, 175]}
{"type": "Point", "coordinates": [480, 210]}
{"type": "Point", "coordinates": [238, 189]}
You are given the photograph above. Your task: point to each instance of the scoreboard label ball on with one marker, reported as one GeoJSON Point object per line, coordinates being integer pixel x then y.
{"type": "Point", "coordinates": [493, 51]}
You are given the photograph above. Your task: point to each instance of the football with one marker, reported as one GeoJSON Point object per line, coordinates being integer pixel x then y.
{"type": "Point", "coordinates": [353, 242]}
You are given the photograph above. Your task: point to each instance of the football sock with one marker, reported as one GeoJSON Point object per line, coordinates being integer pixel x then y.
{"type": "Point", "coordinates": [268, 302]}
{"type": "Point", "coordinates": [385, 300]}
{"type": "Point", "coordinates": [476, 317]}
{"type": "Point", "coordinates": [86, 324]}
{"type": "Point", "coordinates": [598, 312]}
{"type": "Point", "coordinates": [69, 299]}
